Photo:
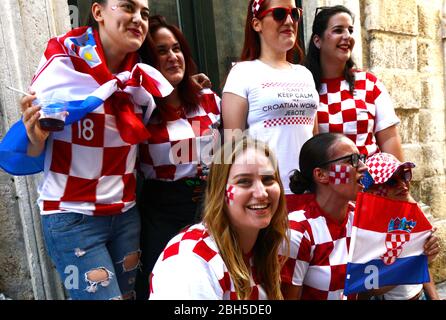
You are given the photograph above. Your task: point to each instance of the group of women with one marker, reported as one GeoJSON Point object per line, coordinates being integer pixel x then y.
{"type": "Point", "coordinates": [236, 244]}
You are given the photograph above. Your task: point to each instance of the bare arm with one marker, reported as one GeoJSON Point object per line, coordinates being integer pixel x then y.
{"type": "Point", "coordinates": [389, 141]}
{"type": "Point", "coordinates": [430, 289]}
{"type": "Point", "coordinates": [291, 292]}
{"type": "Point", "coordinates": [316, 126]}
{"type": "Point", "coordinates": [234, 111]}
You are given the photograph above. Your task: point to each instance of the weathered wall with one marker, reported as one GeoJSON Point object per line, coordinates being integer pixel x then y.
{"type": "Point", "coordinates": [25, 27]}
{"type": "Point", "coordinates": [405, 50]}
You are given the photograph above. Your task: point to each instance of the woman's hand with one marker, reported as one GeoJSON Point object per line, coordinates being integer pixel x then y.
{"type": "Point", "coordinates": [432, 247]}
{"type": "Point", "coordinates": [202, 80]}
{"type": "Point", "coordinates": [36, 135]}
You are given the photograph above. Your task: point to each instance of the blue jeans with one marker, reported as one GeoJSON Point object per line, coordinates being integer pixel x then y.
{"type": "Point", "coordinates": [97, 257]}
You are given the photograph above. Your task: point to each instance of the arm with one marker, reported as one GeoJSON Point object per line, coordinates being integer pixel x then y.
{"type": "Point", "coordinates": [291, 292]}
{"type": "Point", "coordinates": [316, 126]}
{"type": "Point", "coordinates": [430, 290]}
{"type": "Point", "coordinates": [389, 141]}
{"type": "Point", "coordinates": [234, 112]}
{"type": "Point", "coordinates": [36, 135]}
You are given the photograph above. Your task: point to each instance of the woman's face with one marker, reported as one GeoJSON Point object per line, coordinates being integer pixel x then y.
{"type": "Point", "coordinates": [171, 58]}
{"type": "Point", "coordinates": [278, 36]}
{"type": "Point", "coordinates": [345, 178]}
{"type": "Point", "coordinates": [397, 187]}
{"type": "Point", "coordinates": [123, 24]}
{"type": "Point", "coordinates": [337, 43]}
{"type": "Point", "coordinates": [252, 192]}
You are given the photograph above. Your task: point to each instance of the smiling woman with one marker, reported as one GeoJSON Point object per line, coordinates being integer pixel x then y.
{"type": "Point", "coordinates": [233, 253]}
{"type": "Point", "coordinates": [352, 102]}
{"type": "Point", "coordinates": [267, 77]}
{"type": "Point", "coordinates": [79, 202]}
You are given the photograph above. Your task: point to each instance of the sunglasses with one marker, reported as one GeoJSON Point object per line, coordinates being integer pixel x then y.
{"type": "Point", "coordinates": [319, 9]}
{"type": "Point", "coordinates": [280, 13]}
{"type": "Point", "coordinates": [406, 176]}
{"type": "Point", "coordinates": [352, 158]}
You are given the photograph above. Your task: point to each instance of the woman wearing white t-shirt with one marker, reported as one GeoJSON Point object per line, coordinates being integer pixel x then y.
{"type": "Point", "coordinates": [265, 93]}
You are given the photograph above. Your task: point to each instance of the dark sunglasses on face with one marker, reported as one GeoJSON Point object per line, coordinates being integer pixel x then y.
{"type": "Point", "coordinates": [352, 158]}
{"type": "Point", "coordinates": [406, 176]}
{"type": "Point", "coordinates": [280, 13]}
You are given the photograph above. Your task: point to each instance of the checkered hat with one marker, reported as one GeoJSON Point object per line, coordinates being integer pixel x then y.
{"type": "Point", "coordinates": [382, 166]}
{"type": "Point", "coordinates": [256, 6]}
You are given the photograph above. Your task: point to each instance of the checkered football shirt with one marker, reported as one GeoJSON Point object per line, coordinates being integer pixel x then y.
{"type": "Point", "coordinates": [191, 268]}
{"type": "Point", "coordinates": [359, 116]}
{"type": "Point", "coordinates": [88, 167]}
{"type": "Point", "coordinates": [162, 158]}
{"type": "Point", "coordinates": [319, 252]}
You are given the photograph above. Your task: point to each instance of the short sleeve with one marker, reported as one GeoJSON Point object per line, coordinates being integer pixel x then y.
{"type": "Point", "coordinates": [237, 82]}
{"type": "Point", "coordinates": [184, 277]}
{"type": "Point", "coordinates": [299, 258]}
{"type": "Point", "coordinates": [385, 112]}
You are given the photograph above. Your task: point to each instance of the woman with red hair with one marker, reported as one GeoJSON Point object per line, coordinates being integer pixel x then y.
{"type": "Point", "coordinates": [266, 93]}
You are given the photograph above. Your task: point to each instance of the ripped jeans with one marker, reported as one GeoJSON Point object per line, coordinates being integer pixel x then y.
{"type": "Point", "coordinates": [97, 257]}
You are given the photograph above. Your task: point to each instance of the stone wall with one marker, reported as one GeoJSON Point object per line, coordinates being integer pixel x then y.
{"type": "Point", "coordinates": [405, 50]}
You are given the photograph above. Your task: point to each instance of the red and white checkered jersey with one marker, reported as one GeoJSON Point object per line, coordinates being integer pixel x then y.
{"type": "Point", "coordinates": [359, 116]}
{"type": "Point", "coordinates": [177, 144]}
{"type": "Point", "coordinates": [191, 268]}
{"type": "Point", "coordinates": [318, 253]}
{"type": "Point", "coordinates": [282, 108]}
{"type": "Point", "coordinates": [88, 167]}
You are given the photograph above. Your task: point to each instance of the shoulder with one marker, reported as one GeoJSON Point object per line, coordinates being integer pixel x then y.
{"type": "Point", "coordinates": [307, 216]}
{"type": "Point", "coordinates": [364, 75]}
{"type": "Point", "coordinates": [243, 65]}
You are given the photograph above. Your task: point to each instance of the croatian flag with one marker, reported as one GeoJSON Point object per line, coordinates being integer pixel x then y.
{"type": "Point", "coordinates": [386, 244]}
{"type": "Point", "coordinates": [73, 69]}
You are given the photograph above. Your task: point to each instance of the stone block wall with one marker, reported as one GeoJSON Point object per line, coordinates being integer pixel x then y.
{"type": "Point", "coordinates": [405, 50]}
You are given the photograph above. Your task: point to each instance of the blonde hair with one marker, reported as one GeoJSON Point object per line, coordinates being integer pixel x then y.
{"type": "Point", "coordinates": [266, 249]}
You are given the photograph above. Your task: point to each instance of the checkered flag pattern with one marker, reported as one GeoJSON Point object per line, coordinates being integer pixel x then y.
{"type": "Point", "coordinates": [394, 245]}
{"type": "Point", "coordinates": [382, 166]}
{"type": "Point", "coordinates": [357, 116]}
{"type": "Point", "coordinates": [194, 249]}
{"type": "Point", "coordinates": [287, 121]}
{"type": "Point", "coordinates": [318, 254]}
{"type": "Point", "coordinates": [230, 189]}
{"type": "Point", "coordinates": [256, 6]}
{"type": "Point", "coordinates": [339, 174]}
{"type": "Point", "coordinates": [178, 145]}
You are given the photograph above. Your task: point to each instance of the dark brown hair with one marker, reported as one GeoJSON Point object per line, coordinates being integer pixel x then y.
{"type": "Point", "coordinates": [312, 60]}
{"type": "Point", "coordinates": [188, 91]}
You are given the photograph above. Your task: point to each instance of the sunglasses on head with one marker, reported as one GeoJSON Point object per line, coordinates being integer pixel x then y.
{"type": "Point", "coordinates": [406, 176]}
{"type": "Point", "coordinates": [280, 13]}
{"type": "Point", "coordinates": [352, 158]}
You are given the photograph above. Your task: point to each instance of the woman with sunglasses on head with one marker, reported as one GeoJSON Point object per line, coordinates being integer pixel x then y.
{"type": "Point", "coordinates": [233, 253]}
{"type": "Point", "coordinates": [331, 170]}
{"type": "Point", "coordinates": [352, 102]}
{"type": "Point", "coordinates": [90, 222]}
{"type": "Point", "coordinates": [390, 178]}
{"type": "Point", "coordinates": [265, 93]}
{"type": "Point", "coordinates": [186, 121]}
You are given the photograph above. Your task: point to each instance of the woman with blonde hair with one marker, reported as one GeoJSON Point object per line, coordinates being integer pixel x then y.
{"type": "Point", "coordinates": [233, 252]}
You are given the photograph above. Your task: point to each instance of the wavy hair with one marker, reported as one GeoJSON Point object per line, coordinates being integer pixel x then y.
{"type": "Point", "coordinates": [188, 91]}
{"type": "Point", "coordinates": [265, 252]}
{"type": "Point", "coordinates": [313, 58]}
